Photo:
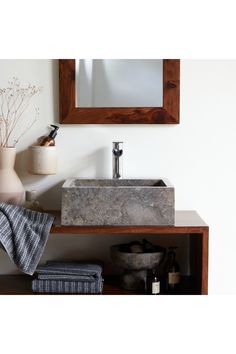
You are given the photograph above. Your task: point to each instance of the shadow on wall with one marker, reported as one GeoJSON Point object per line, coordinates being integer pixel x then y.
{"type": "Point", "coordinates": [97, 164]}
{"type": "Point", "coordinates": [50, 199]}
{"type": "Point", "coordinates": [21, 168]}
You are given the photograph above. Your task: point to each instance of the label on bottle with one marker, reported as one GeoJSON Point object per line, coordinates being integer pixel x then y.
{"type": "Point", "coordinates": [156, 288]}
{"type": "Point", "coordinates": [174, 278]}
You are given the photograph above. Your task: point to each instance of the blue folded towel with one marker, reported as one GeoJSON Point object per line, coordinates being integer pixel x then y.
{"type": "Point", "coordinates": [23, 235]}
{"type": "Point", "coordinates": [62, 287]}
{"type": "Point", "coordinates": [68, 277]}
{"type": "Point", "coordinates": [70, 268]}
{"type": "Point", "coordinates": [65, 277]}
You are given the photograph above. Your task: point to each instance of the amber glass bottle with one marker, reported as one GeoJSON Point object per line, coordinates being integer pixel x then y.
{"type": "Point", "coordinates": [172, 272]}
{"type": "Point", "coordinates": [50, 139]}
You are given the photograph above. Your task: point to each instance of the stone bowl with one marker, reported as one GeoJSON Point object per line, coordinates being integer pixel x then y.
{"type": "Point", "coordinates": [135, 266]}
{"type": "Point", "coordinates": [135, 261]}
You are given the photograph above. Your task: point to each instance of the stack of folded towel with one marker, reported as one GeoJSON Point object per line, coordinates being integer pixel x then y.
{"type": "Point", "coordinates": [68, 277]}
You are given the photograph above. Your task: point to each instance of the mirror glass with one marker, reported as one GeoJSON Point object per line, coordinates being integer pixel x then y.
{"type": "Point", "coordinates": [119, 83]}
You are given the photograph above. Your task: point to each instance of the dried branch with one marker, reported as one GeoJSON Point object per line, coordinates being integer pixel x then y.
{"type": "Point", "coordinates": [29, 127]}
{"type": "Point", "coordinates": [15, 99]}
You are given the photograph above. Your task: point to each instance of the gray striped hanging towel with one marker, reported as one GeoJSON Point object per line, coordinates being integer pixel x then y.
{"type": "Point", "coordinates": [23, 235]}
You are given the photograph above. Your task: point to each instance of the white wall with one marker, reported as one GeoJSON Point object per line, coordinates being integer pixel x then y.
{"type": "Point", "coordinates": [198, 155]}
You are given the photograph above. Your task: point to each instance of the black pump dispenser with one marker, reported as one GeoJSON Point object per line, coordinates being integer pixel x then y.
{"type": "Point", "coordinates": [53, 133]}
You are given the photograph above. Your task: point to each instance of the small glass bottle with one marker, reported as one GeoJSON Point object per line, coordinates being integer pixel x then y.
{"type": "Point", "coordinates": [31, 202]}
{"type": "Point", "coordinates": [153, 283]}
{"type": "Point", "coordinates": [50, 139]}
{"type": "Point", "coordinates": [172, 271]}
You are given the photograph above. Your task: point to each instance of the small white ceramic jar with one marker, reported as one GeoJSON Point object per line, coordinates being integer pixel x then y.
{"type": "Point", "coordinates": [43, 160]}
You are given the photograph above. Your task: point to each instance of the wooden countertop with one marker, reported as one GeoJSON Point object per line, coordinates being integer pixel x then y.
{"type": "Point", "coordinates": [186, 221]}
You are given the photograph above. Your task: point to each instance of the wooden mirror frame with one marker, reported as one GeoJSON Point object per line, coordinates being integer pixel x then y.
{"type": "Point", "coordinates": [167, 114]}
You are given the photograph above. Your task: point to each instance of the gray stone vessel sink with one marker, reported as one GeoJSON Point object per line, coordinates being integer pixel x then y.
{"type": "Point", "coordinates": [117, 202]}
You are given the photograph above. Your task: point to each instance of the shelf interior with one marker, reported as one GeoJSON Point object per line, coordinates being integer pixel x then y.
{"type": "Point", "coordinates": [21, 285]}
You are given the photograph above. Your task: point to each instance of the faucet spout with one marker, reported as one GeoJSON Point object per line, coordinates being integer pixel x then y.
{"type": "Point", "coordinates": [117, 153]}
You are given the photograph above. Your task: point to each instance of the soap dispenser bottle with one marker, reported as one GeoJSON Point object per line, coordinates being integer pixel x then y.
{"type": "Point", "coordinates": [50, 139]}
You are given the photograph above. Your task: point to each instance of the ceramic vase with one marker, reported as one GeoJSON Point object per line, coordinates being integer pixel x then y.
{"type": "Point", "coordinates": [11, 188]}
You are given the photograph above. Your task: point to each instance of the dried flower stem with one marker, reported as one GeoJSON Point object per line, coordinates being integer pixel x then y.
{"type": "Point", "coordinates": [29, 127]}
{"type": "Point", "coordinates": [15, 99]}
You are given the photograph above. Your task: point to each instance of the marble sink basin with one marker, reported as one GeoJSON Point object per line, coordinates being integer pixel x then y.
{"type": "Point", "coordinates": [117, 202]}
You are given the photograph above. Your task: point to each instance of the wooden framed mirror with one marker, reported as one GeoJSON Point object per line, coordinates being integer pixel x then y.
{"type": "Point", "coordinates": [72, 113]}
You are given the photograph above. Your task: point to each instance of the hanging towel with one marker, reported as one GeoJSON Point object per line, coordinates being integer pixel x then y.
{"type": "Point", "coordinates": [23, 235]}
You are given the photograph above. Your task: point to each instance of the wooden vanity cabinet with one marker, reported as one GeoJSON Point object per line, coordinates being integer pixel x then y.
{"type": "Point", "coordinates": [187, 224]}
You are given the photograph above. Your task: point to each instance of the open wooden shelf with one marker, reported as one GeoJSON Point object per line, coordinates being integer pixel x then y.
{"type": "Point", "coordinates": [187, 223]}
